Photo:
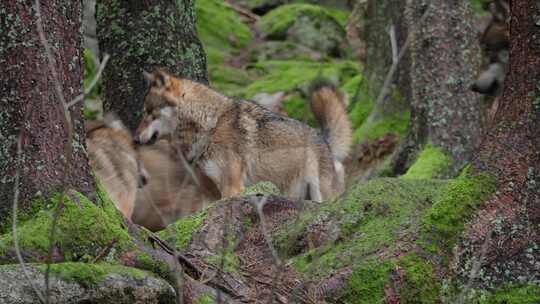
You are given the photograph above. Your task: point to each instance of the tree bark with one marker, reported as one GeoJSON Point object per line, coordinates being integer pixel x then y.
{"type": "Point", "coordinates": [443, 58]}
{"type": "Point", "coordinates": [508, 227]}
{"type": "Point", "coordinates": [31, 110]}
{"type": "Point", "coordinates": [144, 35]}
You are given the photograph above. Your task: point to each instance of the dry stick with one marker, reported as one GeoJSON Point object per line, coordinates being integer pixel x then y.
{"type": "Point", "coordinates": [393, 69]}
{"type": "Point", "coordinates": [68, 153]}
{"type": "Point", "coordinates": [14, 218]}
{"type": "Point", "coordinates": [475, 269]}
{"type": "Point", "coordinates": [224, 245]}
{"type": "Point", "coordinates": [92, 84]}
{"type": "Point", "coordinates": [259, 206]}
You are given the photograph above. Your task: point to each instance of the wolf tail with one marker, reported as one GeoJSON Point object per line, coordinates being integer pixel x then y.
{"type": "Point", "coordinates": [329, 108]}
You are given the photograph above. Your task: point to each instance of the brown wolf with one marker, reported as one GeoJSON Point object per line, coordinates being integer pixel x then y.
{"type": "Point", "coordinates": [113, 158]}
{"type": "Point", "coordinates": [239, 143]}
{"type": "Point", "coordinates": [172, 190]}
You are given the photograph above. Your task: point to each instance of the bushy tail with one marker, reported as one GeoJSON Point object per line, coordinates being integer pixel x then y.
{"type": "Point", "coordinates": [329, 108]}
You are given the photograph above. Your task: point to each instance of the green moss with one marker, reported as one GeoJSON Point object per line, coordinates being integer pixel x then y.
{"type": "Point", "coordinates": [266, 188]}
{"type": "Point", "coordinates": [366, 284]}
{"type": "Point", "coordinates": [205, 299]}
{"type": "Point", "coordinates": [393, 124]}
{"type": "Point", "coordinates": [358, 92]}
{"type": "Point", "coordinates": [231, 264]}
{"type": "Point", "coordinates": [181, 231]}
{"type": "Point", "coordinates": [91, 274]}
{"type": "Point", "coordinates": [220, 29]}
{"type": "Point", "coordinates": [370, 217]}
{"type": "Point", "coordinates": [84, 230]}
{"type": "Point", "coordinates": [444, 222]}
{"type": "Point", "coordinates": [297, 107]}
{"type": "Point", "coordinates": [341, 16]}
{"type": "Point", "coordinates": [227, 80]}
{"type": "Point", "coordinates": [512, 294]}
{"type": "Point", "coordinates": [279, 50]}
{"type": "Point", "coordinates": [277, 22]}
{"type": "Point", "coordinates": [288, 76]}
{"type": "Point", "coordinates": [90, 70]}
{"type": "Point", "coordinates": [432, 162]}
{"type": "Point", "coordinates": [419, 284]}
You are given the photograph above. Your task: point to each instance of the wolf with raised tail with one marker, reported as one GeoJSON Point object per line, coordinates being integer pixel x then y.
{"type": "Point", "coordinates": [238, 143]}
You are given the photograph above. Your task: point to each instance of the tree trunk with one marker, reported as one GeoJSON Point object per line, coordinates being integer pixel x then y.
{"type": "Point", "coordinates": [31, 110]}
{"type": "Point", "coordinates": [508, 227]}
{"type": "Point", "coordinates": [144, 35]}
{"type": "Point", "coordinates": [443, 58]}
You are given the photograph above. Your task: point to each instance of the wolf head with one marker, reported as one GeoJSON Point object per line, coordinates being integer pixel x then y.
{"type": "Point", "coordinates": [160, 107]}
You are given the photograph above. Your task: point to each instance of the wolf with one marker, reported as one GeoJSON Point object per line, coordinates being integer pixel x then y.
{"type": "Point", "coordinates": [237, 143]}
{"type": "Point", "coordinates": [113, 158]}
{"type": "Point", "coordinates": [173, 189]}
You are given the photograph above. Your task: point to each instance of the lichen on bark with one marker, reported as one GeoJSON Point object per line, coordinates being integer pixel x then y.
{"type": "Point", "coordinates": [142, 36]}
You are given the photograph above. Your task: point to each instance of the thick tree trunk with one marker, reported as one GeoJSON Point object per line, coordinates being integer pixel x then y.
{"type": "Point", "coordinates": [30, 108]}
{"type": "Point", "coordinates": [144, 35]}
{"type": "Point", "coordinates": [508, 227]}
{"type": "Point", "coordinates": [443, 58]}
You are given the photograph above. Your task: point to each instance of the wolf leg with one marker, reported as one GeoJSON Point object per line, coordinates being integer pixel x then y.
{"type": "Point", "coordinates": [232, 181]}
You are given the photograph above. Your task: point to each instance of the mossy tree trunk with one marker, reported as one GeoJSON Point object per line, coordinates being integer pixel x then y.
{"type": "Point", "coordinates": [144, 35]}
{"type": "Point", "coordinates": [30, 108]}
{"type": "Point", "coordinates": [508, 227]}
{"type": "Point", "coordinates": [443, 58]}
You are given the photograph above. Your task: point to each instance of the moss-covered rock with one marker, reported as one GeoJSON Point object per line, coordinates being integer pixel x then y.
{"type": "Point", "coordinates": [287, 76]}
{"type": "Point", "coordinates": [368, 219]}
{"type": "Point", "coordinates": [395, 123]}
{"type": "Point", "coordinates": [220, 30]}
{"type": "Point", "coordinates": [511, 294]}
{"type": "Point", "coordinates": [443, 223]}
{"type": "Point", "coordinates": [281, 50]}
{"type": "Point", "coordinates": [265, 188]}
{"type": "Point", "coordinates": [84, 231]}
{"type": "Point", "coordinates": [432, 162]}
{"type": "Point", "coordinates": [229, 81]}
{"type": "Point", "coordinates": [309, 25]}
{"type": "Point", "coordinates": [180, 232]}
{"type": "Point", "coordinates": [84, 283]}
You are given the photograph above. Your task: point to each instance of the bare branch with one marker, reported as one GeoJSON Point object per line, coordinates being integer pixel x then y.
{"type": "Point", "coordinates": [67, 148]}
{"type": "Point", "coordinates": [393, 69]}
{"type": "Point", "coordinates": [14, 219]}
{"type": "Point", "coordinates": [92, 84]}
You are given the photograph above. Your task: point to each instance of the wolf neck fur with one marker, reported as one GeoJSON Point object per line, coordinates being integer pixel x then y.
{"type": "Point", "coordinates": [202, 105]}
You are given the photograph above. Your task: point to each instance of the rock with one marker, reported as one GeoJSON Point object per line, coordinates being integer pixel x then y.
{"type": "Point", "coordinates": [126, 286]}
{"type": "Point", "coordinates": [282, 50]}
{"type": "Point", "coordinates": [308, 25]}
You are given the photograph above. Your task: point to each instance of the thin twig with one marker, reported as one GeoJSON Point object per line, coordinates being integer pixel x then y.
{"type": "Point", "coordinates": [92, 83]}
{"type": "Point", "coordinates": [14, 218]}
{"type": "Point", "coordinates": [67, 148]}
{"type": "Point", "coordinates": [393, 69]}
{"type": "Point", "coordinates": [277, 261]}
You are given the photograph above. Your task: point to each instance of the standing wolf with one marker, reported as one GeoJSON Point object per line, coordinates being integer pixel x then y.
{"type": "Point", "coordinates": [239, 143]}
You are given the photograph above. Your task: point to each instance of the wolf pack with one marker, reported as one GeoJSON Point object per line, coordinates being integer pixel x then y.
{"type": "Point", "coordinates": [194, 145]}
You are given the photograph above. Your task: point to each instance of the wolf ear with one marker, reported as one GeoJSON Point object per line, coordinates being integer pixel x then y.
{"type": "Point", "coordinates": [149, 77]}
{"type": "Point", "coordinates": [163, 80]}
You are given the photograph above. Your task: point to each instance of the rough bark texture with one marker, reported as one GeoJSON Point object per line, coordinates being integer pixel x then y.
{"type": "Point", "coordinates": [508, 227]}
{"type": "Point", "coordinates": [30, 105]}
{"type": "Point", "coordinates": [443, 58]}
{"type": "Point", "coordinates": [143, 35]}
